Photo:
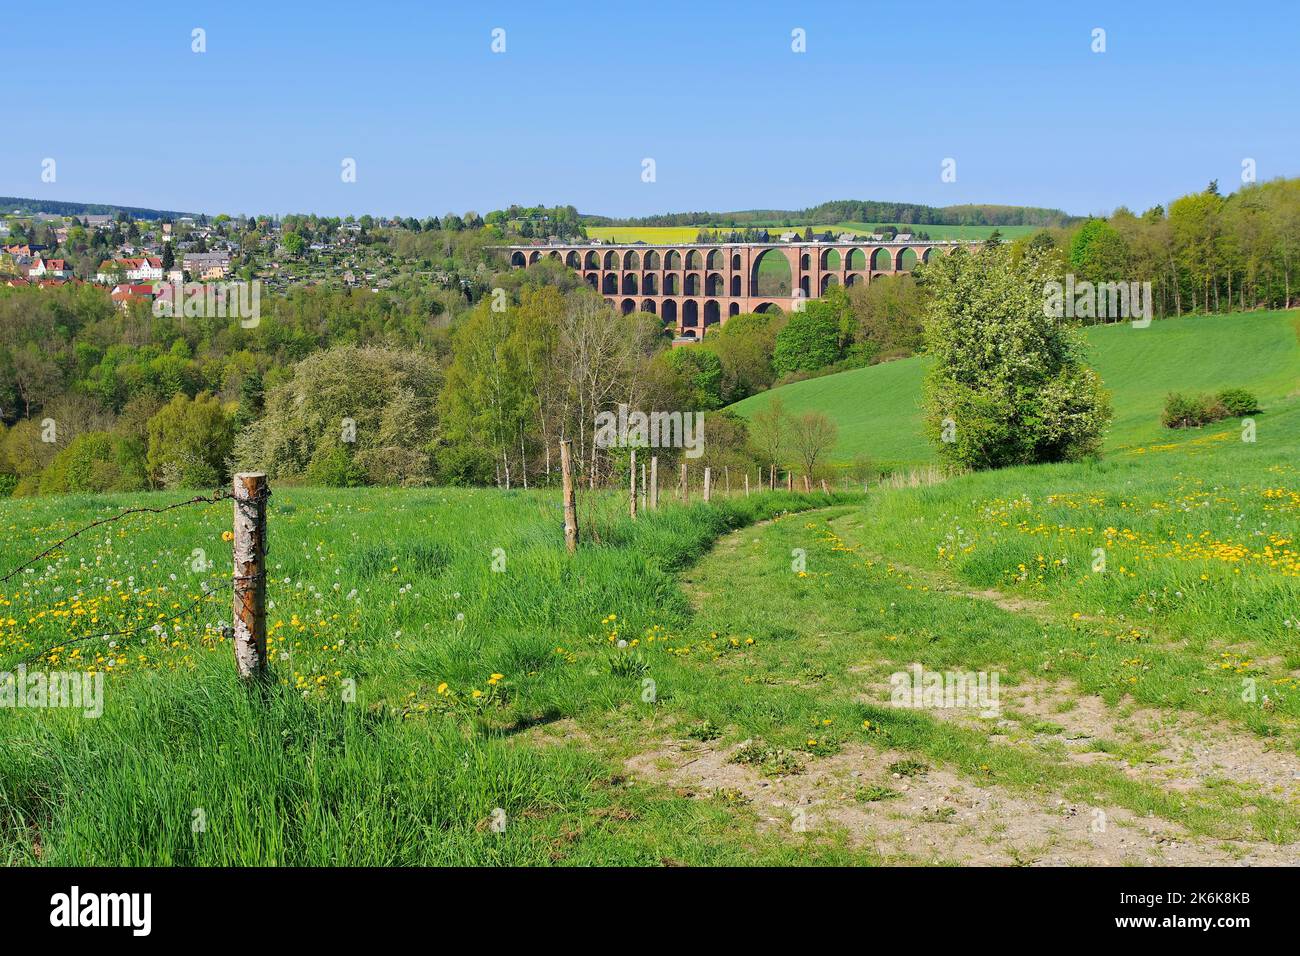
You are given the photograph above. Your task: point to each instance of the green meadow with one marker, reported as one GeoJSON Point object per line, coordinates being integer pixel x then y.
{"type": "Point", "coordinates": [878, 408]}
{"type": "Point", "coordinates": [708, 684]}
{"type": "Point", "coordinates": [967, 233]}
{"type": "Point", "coordinates": [660, 234]}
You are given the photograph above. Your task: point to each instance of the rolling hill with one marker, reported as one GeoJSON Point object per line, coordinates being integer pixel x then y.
{"type": "Point", "coordinates": [16, 204]}
{"type": "Point", "coordinates": [654, 234]}
{"type": "Point", "coordinates": [878, 408]}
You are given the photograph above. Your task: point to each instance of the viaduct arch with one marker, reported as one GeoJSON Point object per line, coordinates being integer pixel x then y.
{"type": "Point", "coordinates": [693, 286]}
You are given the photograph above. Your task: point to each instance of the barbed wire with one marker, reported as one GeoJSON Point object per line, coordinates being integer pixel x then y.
{"type": "Point", "coordinates": [216, 496]}
{"type": "Point", "coordinates": [219, 494]}
{"type": "Point", "coordinates": [209, 590]}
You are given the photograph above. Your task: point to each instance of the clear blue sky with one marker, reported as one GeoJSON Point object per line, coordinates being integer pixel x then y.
{"type": "Point", "coordinates": [712, 92]}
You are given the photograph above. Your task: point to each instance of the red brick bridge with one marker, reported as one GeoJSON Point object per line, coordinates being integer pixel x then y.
{"type": "Point", "coordinates": [695, 285]}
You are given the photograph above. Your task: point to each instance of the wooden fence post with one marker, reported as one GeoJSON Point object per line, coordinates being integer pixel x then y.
{"type": "Point", "coordinates": [686, 489]}
{"type": "Point", "coordinates": [746, 484]}
{"type": "Point", "coordinates": [807, 484]}
{"type": "Point", "coordinates": [771, 476]}
{"type": "Point", "coordinates": [570, 497]}
{"type": "Point", "coordinates": [825, 490]}
{"type": "Point", "coordinates": [708, 472]}
{"type": "Point", "coordinates": [654, 482]}
{"type": "Point", "coordinates": [631, 490]}
{"type": "Point", "coordinates": [726, 479]}
{"type": "Point", "coordinates": [249, 573]}
{"type": "Point", "coordinates": [789, 481]}
{"type": "Point", "coordinates": [645, 504]}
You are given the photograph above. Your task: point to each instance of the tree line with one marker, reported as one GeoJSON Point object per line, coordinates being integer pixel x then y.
{"type": "Point", "coordinates": [1206, 252]}
{"type": "Point", "coordinates": [464, 371]}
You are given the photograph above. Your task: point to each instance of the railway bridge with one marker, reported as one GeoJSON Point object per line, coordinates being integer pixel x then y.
{"type": "Point", "coordinates": [692, 286]}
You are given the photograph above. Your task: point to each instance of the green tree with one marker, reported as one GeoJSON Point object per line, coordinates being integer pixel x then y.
{"type": "Point", "coordinates": [377, 402]}
{"type": "Point", "coordinates": [1098, 253]}
{"type": "Point", "coordinates": [702, 370]}
{"type": "Point", "coordinates": [1008, 385]}
{"type": "Point", "coordinates": [744, 345]}
{"type": "Point", "coordinates": [189, 442]}
{"type": "Point", "coordinates": [889, 311]}
{"type": "Point", "coordinates": [809, 341]}
{"type": "Point", "coordinates": [485, 401]}
{"type": "Point", "coordinates": [96, 462]}
{"type": "Point", "coordinates": [1194, 222]}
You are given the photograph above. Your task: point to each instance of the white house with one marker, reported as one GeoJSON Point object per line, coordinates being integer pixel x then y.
{"type": "Point", "coordinates": [135, 269]}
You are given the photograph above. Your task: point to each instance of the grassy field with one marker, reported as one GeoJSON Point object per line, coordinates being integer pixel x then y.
{"type": "Point", "coordinates": [651, 234]}
{"type": "Point", "coordinates": [390, 592]}
{"type": "Point", "coordinates": [1140, 612]}
{"type": "Point", "coordinates": [942, 232]}
{"type": "Point", "coordinates": [879, 413]}
{"type": "Point", "coordinates": [657, 234]}
{"type": "Point", "coordinates": [707, 685]}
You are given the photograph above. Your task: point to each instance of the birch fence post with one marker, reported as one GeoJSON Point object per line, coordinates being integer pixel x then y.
{"type": "Point", "coordinates": [631, 488]}
{"type": "Point", "coordinates": [654, 482]}
{"type": "Point", "coordinates": [249, 573]}
{"type": "Point", "coordinates": [708, 472]}
{"type": "Point", "coordinates": [570, 498]}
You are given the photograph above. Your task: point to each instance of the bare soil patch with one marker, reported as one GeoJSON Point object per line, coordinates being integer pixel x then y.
{"type": "Point", "coordinates": [935, 816]}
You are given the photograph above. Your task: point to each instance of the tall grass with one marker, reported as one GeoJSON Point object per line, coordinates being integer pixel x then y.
{"type": "Point", "coordinates": [350, 754]}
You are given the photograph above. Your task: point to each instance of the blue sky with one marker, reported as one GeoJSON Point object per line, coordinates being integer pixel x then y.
{"type": "Point", "coordinates": [733, 118]}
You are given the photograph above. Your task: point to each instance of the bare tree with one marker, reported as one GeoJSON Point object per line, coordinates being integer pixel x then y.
{"type": "Point", "coordinates": [812, 434]}
{"type": "Point", "coordinates": [769, 431]}
{"type": "Point", "coordinates": [599, 357]}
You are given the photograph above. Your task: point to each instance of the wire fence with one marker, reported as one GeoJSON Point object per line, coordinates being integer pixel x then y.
{"type": "Point", "coordinates": [198, 499]}
{"type": "Point", "coordinates": [208, 588]}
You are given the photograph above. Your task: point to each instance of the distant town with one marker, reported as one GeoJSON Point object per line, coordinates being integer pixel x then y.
{"type": "Point", "coordinates": [135, 257]}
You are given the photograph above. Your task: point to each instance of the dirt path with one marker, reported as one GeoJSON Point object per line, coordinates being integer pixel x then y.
{"type": "Point", "coordinates": [933, 815]}
{"type": "Point", "coordinates": [929, 813]}
{"type": "Point", "coordinates": [1179, 750]}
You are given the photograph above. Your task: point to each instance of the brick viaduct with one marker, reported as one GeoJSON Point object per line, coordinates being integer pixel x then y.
{"type": "Point", "coordinates": [693, 285]}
